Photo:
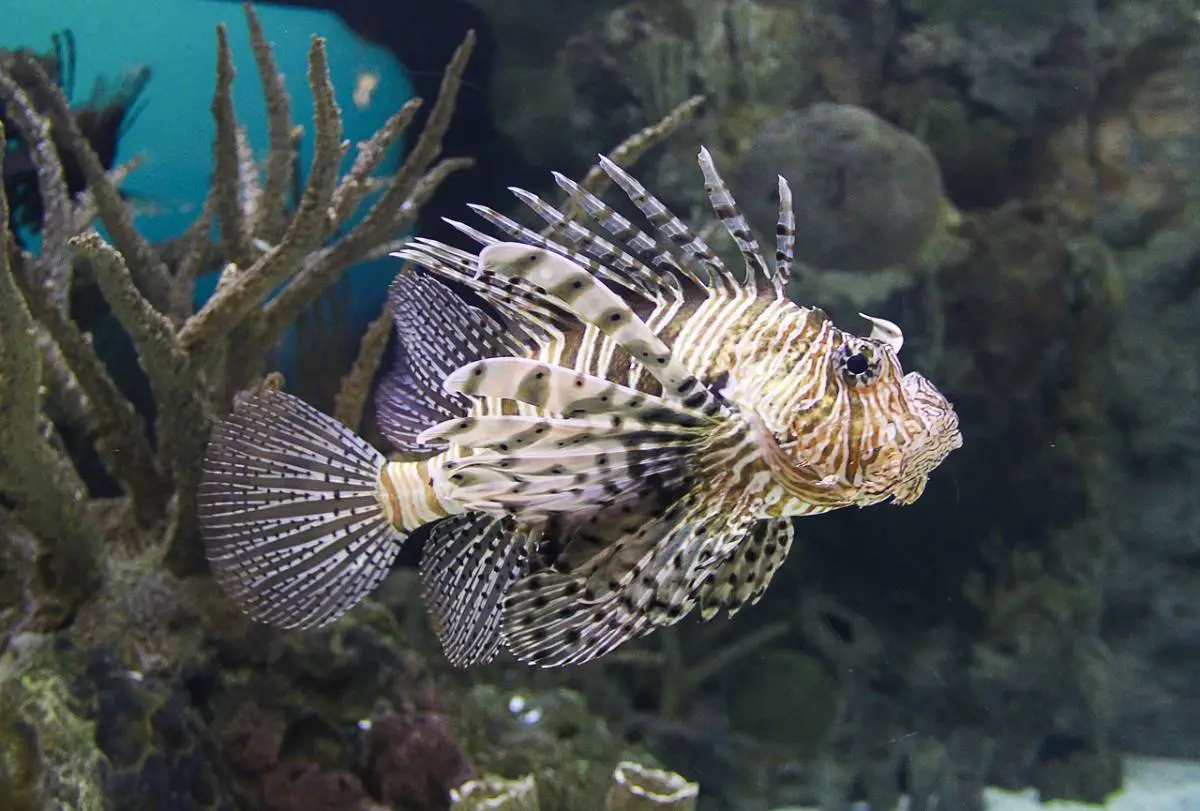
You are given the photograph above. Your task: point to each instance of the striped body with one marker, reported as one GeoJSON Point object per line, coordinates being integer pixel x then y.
{"type": "Point", "coordinates": [772, 356]}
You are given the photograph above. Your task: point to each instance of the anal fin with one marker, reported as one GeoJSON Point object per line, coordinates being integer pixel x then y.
{"type": "Point", "coordinates": [469, 562]}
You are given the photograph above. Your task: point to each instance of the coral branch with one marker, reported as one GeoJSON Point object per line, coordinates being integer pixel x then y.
{"type": "Point", "coordinates": [118, 433]}
{"type": "Point", "coordinates": [182, 418]}
{"type": "Point", "coordinates": [232, 303]}
{"type": "Point", "coordinates": [19, 553]}
{"type": "Point", "coordinates": [227, 164]}
{"type": "Point", "coordinates": [47, 500]}
{"type": "Point", "coordinates": [379, 224]}
{"type": "Point", "coordinates": [53, 269]}
{"type": "Point", "coordinates": [149, 272]}
{"type": "Point", "coordinates": [371, 153]}
{"type": "Point", "coordinates": [271, 221]}
{"type": "Point", "coordinates": [356, 385]}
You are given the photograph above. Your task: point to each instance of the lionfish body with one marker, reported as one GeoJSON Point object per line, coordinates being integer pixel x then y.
{"type": "Point", "coordinates": [625, 436]}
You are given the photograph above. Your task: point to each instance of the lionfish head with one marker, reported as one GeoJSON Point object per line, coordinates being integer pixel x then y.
{"type": "Point", "coordinates": [886, 430]}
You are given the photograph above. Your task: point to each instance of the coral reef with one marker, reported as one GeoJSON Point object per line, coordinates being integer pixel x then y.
{"type": "Point", "coordinates": [126, 680]}
{"type": "Point", "coordinates": [109, 622]}
{"type": "Point", "coordinates": [194, 362]}
{"type": "Point", "coordinates": [1025, 622]}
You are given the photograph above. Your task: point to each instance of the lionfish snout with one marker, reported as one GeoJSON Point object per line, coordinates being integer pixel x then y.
{"type": "Point", "coordinates": [940, 436]}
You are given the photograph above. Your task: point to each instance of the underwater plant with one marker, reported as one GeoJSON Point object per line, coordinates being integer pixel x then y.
{"type": "Point", "coordinates": [277, 260]}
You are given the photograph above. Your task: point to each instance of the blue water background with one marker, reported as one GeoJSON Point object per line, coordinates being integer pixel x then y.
{"type": "Point", "coordinates": [174, 130]}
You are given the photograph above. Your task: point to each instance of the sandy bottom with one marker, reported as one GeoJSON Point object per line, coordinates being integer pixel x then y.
{"type": "Point", "coordinates": [1151, 784]}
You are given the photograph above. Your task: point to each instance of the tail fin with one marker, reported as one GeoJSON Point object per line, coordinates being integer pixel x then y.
{"type": "Point", "coordinates": [292, 525]}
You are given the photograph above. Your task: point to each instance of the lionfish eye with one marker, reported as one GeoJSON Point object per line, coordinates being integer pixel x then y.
{"type": "Point", "coordinates": [859, 364]}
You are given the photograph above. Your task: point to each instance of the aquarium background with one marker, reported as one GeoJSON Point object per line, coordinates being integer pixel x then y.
{"type": "Point", "coordinates": [1016, 185]}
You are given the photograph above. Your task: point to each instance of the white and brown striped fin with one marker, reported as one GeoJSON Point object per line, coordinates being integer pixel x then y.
{"type": "Point", "coordinates": [726, 209]}
{"type": "Point", "coordinates": [635, 242]}
{"type": "Point", "coordinates": [696, 252]}
{"type": "Point", "coordinates": [648, 579]}
{"type": "Point", "coordinates": [744, 577]}
{"type": "Point", "coordinates": [785, 236]}
{"type": "Point", "coordinates": [439, 333]}
{"type": "Point", "coordinates": [531, 315]}
{"type": "Point", "coordinates": [617, 268]}
{"type": "Point", "coordinates": [468, 565]}
{"type": "Point", "coordinates": [562, 391]}
{"type": "Point", "coordinates": [292, 525]}
{"type": "Point", "coordinates": [592, 302]}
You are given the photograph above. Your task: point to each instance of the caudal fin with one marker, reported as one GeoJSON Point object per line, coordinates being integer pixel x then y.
{"type": "Point", "coordinates": [292, 525]}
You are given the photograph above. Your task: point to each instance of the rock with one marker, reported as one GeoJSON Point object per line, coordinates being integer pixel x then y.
{"type": "Point", "coordinates": [867, 194]}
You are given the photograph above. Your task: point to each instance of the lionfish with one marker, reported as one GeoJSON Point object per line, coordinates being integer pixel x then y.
{"type": "Point", "coordinates": [625, 433]}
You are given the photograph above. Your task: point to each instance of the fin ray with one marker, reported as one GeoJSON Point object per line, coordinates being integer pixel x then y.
{"type": "Point", "coordinates": [468, 565]}
{"type": "Point", "coordinates": [439, 333]}
{"type": "Point", "coordinates": [554, 619]}
{"type": "Point", "coordinates": [292, 526]}
{"type": "Point", "coordinates": [594, 303]}
{"type": "Point", "coordinates": [744, 578]}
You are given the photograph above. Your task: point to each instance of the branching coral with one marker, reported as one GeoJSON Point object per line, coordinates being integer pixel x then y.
{"type": "Point", "coordinates": [277, 262]}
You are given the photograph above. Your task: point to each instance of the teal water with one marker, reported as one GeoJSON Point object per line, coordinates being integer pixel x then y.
{"type": "Point", "coordinates": [173, 131]}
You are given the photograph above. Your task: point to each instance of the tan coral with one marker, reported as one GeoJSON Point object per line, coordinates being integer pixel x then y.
{"type": "Point", "coordinates": [640, 788]}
